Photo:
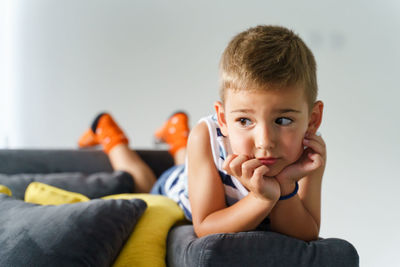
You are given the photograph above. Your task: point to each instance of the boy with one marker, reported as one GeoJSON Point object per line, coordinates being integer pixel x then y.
{"type": "Point", "coordinates": [258, 160]}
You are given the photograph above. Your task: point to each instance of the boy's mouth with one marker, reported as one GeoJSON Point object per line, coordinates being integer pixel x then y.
{"type": "Point", "coordinates": [268, 161]}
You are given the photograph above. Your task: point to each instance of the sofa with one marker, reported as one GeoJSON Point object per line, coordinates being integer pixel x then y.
{"type": "Point", "coordinates": [93, 229]}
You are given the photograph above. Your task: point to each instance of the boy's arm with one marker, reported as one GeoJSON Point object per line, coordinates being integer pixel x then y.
{"type": "Point", "coordinates": [310, 194]}
{"type": "Point", "coordinates": [207, 195]}
{"type": "Point", "coordinates": [292, 216]}
{"type": "Point", "coordinates": [300, 215]}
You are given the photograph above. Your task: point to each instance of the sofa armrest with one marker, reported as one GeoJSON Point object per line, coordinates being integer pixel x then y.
{"type": "Point", "coordinates": [255, 248]}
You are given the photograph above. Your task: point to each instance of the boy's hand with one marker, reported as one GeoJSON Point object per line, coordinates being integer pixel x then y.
{"type": "Point", "coordinates": [312, 159]}
{"type": "Point", "coordinates": [250, 172]}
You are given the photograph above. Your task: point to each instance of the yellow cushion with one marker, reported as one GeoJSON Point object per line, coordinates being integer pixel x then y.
{"type": "Point", "coordinates": [44, 194]}
{"type": "Point", "coordinates": [148, 241]}
{"type": "Point", "coordinates": [5, 190]}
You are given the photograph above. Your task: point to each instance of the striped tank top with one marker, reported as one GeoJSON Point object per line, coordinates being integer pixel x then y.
{"type": "Point", "coordinates": [176, 186]}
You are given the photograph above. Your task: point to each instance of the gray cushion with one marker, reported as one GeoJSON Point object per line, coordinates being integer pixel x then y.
{"type": "Point", "coordinates": [82, 234]}
{"type": "Point", "coordinates": [255, 248]}
{"type": "Point", "coordinates": [91, 185]}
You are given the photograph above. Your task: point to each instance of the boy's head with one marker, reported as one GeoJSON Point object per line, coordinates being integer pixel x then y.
{"type": "Point", "coordinates": [268, 57]}
{"type": "Point", "coordinates": [268, 93]}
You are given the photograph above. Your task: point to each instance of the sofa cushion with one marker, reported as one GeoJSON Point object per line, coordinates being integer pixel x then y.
{"type": "Point", "coordinates": [82, 234]}
{"type": "Point", "coordinates": [255, 248]}
{"type": "Point", "coordinates": [5, 190]}
{"type": "Point", "coordinates": [91, 185]}
{"type": "Point", "coordinates": [147, 245]}
{"type": "Point", "coordinates": [44, 194]}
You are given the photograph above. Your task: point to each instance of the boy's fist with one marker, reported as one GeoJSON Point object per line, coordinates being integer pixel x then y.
{"type": "Point", "coordinates": [251, 173]}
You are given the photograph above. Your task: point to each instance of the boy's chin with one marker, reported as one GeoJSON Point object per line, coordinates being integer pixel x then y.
{"type": "Point", "coordinates": [273, 172]}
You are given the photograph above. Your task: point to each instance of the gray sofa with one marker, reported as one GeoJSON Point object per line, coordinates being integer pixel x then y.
{"type": "Point", "coordinates": [254, 248]}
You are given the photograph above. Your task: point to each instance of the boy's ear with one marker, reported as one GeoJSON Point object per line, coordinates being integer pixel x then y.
{"type": "Point", "coordinates": [219, 109]}
{"type": "Point", "coordinates": [316, 117]}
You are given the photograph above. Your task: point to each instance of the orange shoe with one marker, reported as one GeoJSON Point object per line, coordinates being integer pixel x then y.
{"type": "Point", "coordinates": [174, 132]}
{"type": "Point", "coordinates": [88, 139]}
{"type": "Point", "coordinates": [103, 131]}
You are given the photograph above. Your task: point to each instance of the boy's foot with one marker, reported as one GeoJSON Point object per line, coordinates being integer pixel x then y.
{"type": "Point", "coordinates": [174, 132]}
{"type": "Point", "coordinates": [103, 131]}
{"type": "Point", "coordinates": [88, 139]}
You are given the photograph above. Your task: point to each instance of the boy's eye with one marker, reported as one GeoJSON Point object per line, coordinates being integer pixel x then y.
{"type": "Point", "coordinates": [283, 121]}
{"type": "Point", "coordinates": [244, 122]}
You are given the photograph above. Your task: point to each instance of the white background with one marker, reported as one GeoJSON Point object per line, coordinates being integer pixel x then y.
{"type": "Point", "coordinates": [64, 61]}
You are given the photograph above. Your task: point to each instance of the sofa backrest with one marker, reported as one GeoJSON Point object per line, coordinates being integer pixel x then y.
{"type": "Point", "coordinates": [13, 161]}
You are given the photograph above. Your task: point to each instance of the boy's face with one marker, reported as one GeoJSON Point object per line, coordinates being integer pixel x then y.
{"type": "Point", "coordinates": [268, 125]}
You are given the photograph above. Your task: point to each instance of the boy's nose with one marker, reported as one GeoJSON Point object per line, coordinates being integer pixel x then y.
{"type": "Point", "coordinates": [265, 139]}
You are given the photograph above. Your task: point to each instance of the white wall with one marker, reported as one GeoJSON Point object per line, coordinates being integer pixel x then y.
{"type": "Point", "coordinates": [142, 60]}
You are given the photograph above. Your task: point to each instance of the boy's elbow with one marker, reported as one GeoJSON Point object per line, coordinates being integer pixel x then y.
{"type": "Point", "coordinates": [200, 230]}
{"type": "Point", "coordinates": [311, 238]}
{"type": "Point", "coordinates": [199, 233]}
{"type": "Point", "coordinates": [307, 234]}
{"type": "Point", "coordinates": [204, 228]}
{"type": "Point", "coordinates": [311, 235]}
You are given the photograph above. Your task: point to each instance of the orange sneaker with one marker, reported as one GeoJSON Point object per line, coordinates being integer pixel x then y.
{"type": "Point", "coordinates": [174, 132]}
{"type": "Point", "coordinates": [88, 139]}
{"type": "Point", "coordinates": [104, 131]}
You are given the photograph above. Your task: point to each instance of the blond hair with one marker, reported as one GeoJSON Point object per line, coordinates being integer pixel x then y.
{"type": "Point", "coordinates": [266, 57]}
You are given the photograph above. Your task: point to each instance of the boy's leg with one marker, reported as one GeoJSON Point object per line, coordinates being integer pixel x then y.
{"type": "Point", "coordinates": [175, 132]}
{"type": "Point", "coordinates": [125, 159]}
{"type": "Point", "coordinates": [180, 156]}
{"type": "Point", "coordinates": [115, 144]}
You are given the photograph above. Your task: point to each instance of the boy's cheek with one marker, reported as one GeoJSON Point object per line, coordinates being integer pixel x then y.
{"type": "Point", "coordinates": [294, 148]}
{"type": "Point", "coordinates": [240, 145]}
{"type": "Point", "coordinates": [297, 153]}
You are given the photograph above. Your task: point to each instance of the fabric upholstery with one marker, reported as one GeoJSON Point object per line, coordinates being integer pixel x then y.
{"type": "Point", "coordinates": [5, 190]}
{"type": "Point", "coordinates": [13, 161]}
{"type": "Point", "coordinates": [147, 245]}
{"type": "Point", "coordinates": [255, 248]}
{"type": "Point", "coordinates": [91, 185]}
{"type": "Point", "coordinates": [82, 234]}
{"type": "Point", "coordinates": [44, 194]}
